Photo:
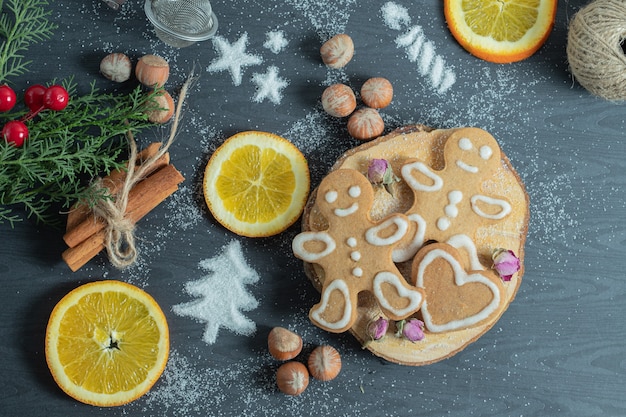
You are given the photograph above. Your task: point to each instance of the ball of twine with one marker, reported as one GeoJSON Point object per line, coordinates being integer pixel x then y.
{"type": "Point", "coordinates": [594, 48]}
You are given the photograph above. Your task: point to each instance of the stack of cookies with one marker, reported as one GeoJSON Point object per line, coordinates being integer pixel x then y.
{"type": "Point", "coordinates": [418, 246]}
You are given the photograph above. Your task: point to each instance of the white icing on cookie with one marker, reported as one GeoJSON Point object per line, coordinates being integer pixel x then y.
{"type": "Point", "coordinates": [460, 278]}
{"type": "Point", "coordinates": [415, 297]}
{"type": "Point", "coordinates": [297, 245]}
{"type": "Point", "coordinates": [371, 234]}
{"type": "Point", "coordinates": [354, 191]}
{"type": "Point", "coordinates": [454, 198]}
{"type": "Point", "coordinates": [465, 144]}
{"type": "Point", "coordinates": [341, 286]}
{"type": "Point", "coordinates": [505, 207]}
{"type": "Point", "coordinates": [466, 243]}
{"type": "Point", "coordinates": [407, 252]}
{"type": "Point", "coordinates": [357, 272]}
{"type": "Point", "coordinates": [355, 256]}
{"type": "Point", "coordinates": [351, 242]}
{"type": "Point", "coordinates": [425, 170]}
{"type": "Point", "coordinates": [486, 152]}
{"type": "Point", "coordinates": [344, 212]}
{"type": "Point", "coordinates": [466, 167]}
{"type": "Point", "coordinates": [331, 197]}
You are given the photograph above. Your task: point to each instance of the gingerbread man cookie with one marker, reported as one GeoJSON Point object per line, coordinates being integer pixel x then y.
{"type": "Point", "coordinates": [355, 253]}
{"type": "Point", "coordinates": [451, 203]}
{"type": "Point", "coordinates": [455, 298]}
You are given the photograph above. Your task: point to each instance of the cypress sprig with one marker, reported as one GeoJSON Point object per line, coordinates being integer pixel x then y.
{"type": "Point", "coordinates": [22, 23]}
{"type": "Point", "coordinates": [68, 149]}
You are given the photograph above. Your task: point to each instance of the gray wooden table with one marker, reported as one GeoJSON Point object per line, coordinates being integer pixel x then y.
{"type": "Point", "coordinates": [559, 349]}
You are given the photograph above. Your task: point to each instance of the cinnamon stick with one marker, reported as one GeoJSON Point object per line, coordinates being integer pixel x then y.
{"type": "Point", "coordinates": [143, 198]}
{"type": "Point", "coordinates": [114, 181]}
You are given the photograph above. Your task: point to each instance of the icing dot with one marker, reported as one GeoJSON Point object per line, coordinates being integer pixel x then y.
{"type": "Point", "coordinates": [357, 272]}
{"type": "Point", "coordinates": [443, 223]}
{"type": "Point", "coordinates": [465, 144]}
{"type": "Point", "coordinates": [355, 256]}
{"type": "Point", "coordinates": [351, 242]}
{"type": "Point", "coordinates": [354, 191]}
{"type": "Point", "coordinates": [331, 196]}
{"type": "Point", "coordinates": [485, 152]}
{"type": "Point", "coordinates": [455, 197]}
{"type": "Point", "coordinates": [451, 210]}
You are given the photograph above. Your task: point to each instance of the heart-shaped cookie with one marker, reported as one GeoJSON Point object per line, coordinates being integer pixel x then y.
{"type": "Point", "coordinates": [455, 298]}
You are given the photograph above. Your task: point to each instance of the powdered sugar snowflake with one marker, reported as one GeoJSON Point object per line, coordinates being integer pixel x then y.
{"type": "Point", "coordinates": [233, 57]}
{"type": "Point", "coordinates": [275, 41]}
{"type": "Point", "coordinates": [269, 85]}
{"type": "Point", "coordinates": [223, 294]}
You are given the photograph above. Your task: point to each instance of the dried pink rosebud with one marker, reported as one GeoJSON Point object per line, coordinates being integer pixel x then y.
{"type": "Point", "coordinates": [377, 329]}
{"type": "Point", "coordinates": [379, 172]}
{"type": "Point", "coordinates": [411, 329]}
{"type": "Point", "coordinates": [505, 263]}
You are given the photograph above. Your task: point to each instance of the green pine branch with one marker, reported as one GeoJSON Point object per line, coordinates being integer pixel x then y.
{"type": "Point", "coordinates": [22, 23]}
{"type": "Point", "coordinates": [66, 150]}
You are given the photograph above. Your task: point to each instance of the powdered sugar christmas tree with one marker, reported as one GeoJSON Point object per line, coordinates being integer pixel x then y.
{"type": "Point", "coordinates": [222, 294]}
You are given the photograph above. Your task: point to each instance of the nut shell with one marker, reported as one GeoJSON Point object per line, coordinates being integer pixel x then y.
{"type": "Point", "coordinates": [365, 124]}
{"type": "Point", "coordinates": [324, 363]}
{"type": "Point", "coordinates": [165, 110]}
{"type": "Point", "coordinates": [292, 378]}
{"type": "Point", "coordinates": [337, 51]}
{"type": "Point", "coordinates": [338, 100]}
{"type": "Point", "coordinates": [283, 344]}
{"type": "Point", "coordinates": [116, 67]}
{"type": "Point", "coordinates": [152, 70]}
{"type": "Point", "coordinates": [377, 92]}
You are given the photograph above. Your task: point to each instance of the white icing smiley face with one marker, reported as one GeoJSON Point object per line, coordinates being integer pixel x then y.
{"type": "Point", "coordinates": [474, 155]}
{"type": "Point", "coordinates": [342, 199]}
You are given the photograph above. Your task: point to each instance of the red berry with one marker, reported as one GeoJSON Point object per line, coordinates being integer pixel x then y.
{"type": "Point", "coordinates": [7, 98]}
{"type": "Point", "coordinates": [33, 97]}
{"type": "Point", "coordinates": [56, 98]}
{"type": "Point", "coordinates": [15, 132]}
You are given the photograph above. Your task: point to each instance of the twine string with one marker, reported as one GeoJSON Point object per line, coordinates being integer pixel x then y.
{"type": "Point", "coordinates": [594, 48]}
{"type": "Point", "coordinates": [120, 230]}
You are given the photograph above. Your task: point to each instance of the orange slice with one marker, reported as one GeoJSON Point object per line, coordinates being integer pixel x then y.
{"type": "Point", "coordinates": [107, 343]}
{"type": "Point", "coordinates": [256, 184]}
{"type": "Point", "coordinates": [500, 31]}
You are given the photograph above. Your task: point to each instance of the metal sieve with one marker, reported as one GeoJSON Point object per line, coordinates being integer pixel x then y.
{"type": "Point", "coordinates": [180, 23]}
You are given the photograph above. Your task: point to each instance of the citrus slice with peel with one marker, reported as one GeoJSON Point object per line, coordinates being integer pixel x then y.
{"type": "Point", "coordinates": [256, 184]}
{"type": "Point", "coordinates": [107, 343]}
{"type": "Point", "coordinates": [500, 31]}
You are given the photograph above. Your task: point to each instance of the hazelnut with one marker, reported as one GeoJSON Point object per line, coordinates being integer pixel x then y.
{"type": "Point", "coordinates": [116, 67]}
{"type": "Point", "coordinates": [152, 70]}
{"type": "Point", "coordinates": [365, 124]}
{"type": "Point", "coordinates": [283, 344]}
{"type": "Point", "coordinates": [164, 110]}
{"type": "Point", "coordinates": [338, 100]}
{"type": "Point", "coordinates": [337, 51]}
{"type": "Point", "coordinates": [292, 378]}
{"type": "Point", "coordinates": [377, 92]}
{"type": "Point", "coordinates": [324, 363]}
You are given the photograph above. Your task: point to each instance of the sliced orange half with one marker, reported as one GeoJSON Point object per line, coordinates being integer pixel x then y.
{"type": "Point", "coordinates": [107, 343]}
{"type": "Point", "coordinates": [500, 31]}
{"type": "Point", "coordinates": [256, 184]}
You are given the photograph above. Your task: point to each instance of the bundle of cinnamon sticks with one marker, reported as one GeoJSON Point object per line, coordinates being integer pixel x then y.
{"type": "Point", "coordinates": [85, 232]}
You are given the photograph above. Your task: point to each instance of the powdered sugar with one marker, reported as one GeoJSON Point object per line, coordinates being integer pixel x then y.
{"type": "Point", "coordinates": [269, 86]}
{"type": "Point", "coordinates": [223, 294]}
{"type": "Point", "coordinates": [419, 49]}
{"type": "Point", "coordinates": [275, 41]}
{"type": "Point", "coordinates": [233, 57]}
